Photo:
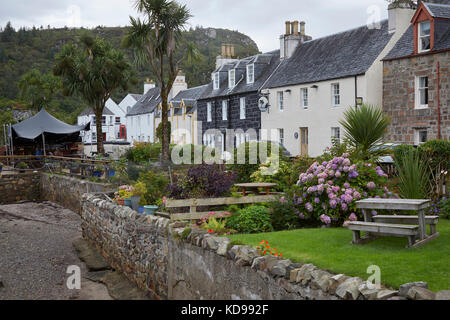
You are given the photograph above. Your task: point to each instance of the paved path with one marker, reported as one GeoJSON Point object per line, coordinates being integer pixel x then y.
{"type": "Point", "coordinates": [35, 251]}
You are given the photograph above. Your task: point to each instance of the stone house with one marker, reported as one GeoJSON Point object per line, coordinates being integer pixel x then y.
{"type": "Point", "coordinates": [416, 85]}
{"type": "Point", "coordinates": [318, 80]}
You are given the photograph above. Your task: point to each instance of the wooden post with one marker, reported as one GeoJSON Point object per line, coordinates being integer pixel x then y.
{"type": "Point", "coordinates": [422, 225]}
{"type": "Point", "coordinates": [243, 192]}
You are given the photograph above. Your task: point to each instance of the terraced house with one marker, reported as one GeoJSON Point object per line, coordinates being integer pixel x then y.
{"type": "Point", "coordinates": [319, 79]}
{"type": "Point", "coordinates": [230, 100]}
{"type": "Point", "coordinates": [416, 83]}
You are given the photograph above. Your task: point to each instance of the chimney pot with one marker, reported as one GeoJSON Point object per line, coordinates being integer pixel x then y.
{"type": "Point", "coordinates": [224, 50]}
{"type": "Point", "coordinates": [295, 27]}
{"type": "Point", "coordinates": [302, 28]}
{"type": "Point", "coordinates": [288, 28]}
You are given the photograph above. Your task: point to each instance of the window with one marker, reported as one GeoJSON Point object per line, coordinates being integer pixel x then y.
{"type": "Point", "coordinates": [281, 136]}
{"type": "Point", "coordinates": [231, 78]}
{"type": "Point", "coordinates": [111, 120]}
{"type": "Point", "coordinates": [304, 97]}
{"type": "Point", "coordinates": [117, 120]}
{"type": "Point", "coordinates": [250, 73]}
{"type": "Point", "coordinates": [336, 133]}
{"type": "Point", "coordinates": [224, 110]}
{"type": "Point", "coordinates": [421, 92]}
{"type": "Point", "coordinates": [336, 94]}
{"type": "Point", "coordinates": [94, 136]}
{"type": "Point", "coordinates": [209, 112]}
{"type": "Point", "coordinates": [421, 136]}
{"type": "Point", "coordinates": [103, 120]}
{"type": "Point", "coordinates": [424, 36]}
{"type": "Point", "coordinates": [280, 100]}
{"type": "Point", "coordinates": [216, 80]}
{"type": "Point", "coordinates": [242, 108]}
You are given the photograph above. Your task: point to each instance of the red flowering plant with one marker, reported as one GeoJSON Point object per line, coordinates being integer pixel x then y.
{"type": "Point", "coordinates": [265, 249]}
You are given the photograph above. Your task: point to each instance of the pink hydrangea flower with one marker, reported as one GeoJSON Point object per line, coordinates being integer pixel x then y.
{"type": "Point", "coordinates": [353, 217]}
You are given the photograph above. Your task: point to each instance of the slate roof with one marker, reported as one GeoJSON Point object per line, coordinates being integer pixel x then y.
{"type": "Point", "coordinates": [189, 97]}
{"type": "Point", "coordinates": [88, 111]}
{"type": "Point", "coordinates": [136, 96]}
{"type": "Point", "coordinates": [147, 103]}
{"type": "Point", "coordinates": [264, 63]}
{"type": "Point", "coordinates": [344, 54]}
{"type": "Point", "coordinates": [439, 10]}
{"type": "Point", "coordinates": [405, 46]}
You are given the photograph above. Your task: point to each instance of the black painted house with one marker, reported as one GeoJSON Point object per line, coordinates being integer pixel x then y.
{"type": "Point", "coordinates": [230, 101]}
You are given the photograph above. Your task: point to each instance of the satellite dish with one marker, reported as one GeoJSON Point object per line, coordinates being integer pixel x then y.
{"type": "Point", "coordinates": [263, 104]}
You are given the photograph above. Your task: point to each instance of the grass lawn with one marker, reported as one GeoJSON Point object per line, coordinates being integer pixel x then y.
{"type": "Point", "coordinates": [331, 249]}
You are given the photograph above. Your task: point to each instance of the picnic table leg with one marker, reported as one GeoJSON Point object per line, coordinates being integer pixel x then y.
{"type": "Point", "coordinates": [267, 191]}
{"type": "Point", "coordinates": [422, 225]}
{"type": "Point", "coordinates": [243, 192]}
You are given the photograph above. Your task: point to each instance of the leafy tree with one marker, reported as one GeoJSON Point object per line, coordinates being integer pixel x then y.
{"type": "Point", "coordinates": [365, 128]}
{"type": "Point", "coordinates": [155, 40]}
{"type": "Point", "coordinates": [94, 70]}
{"type": "Point", "coordinates": [38, 89]}
{"type": "Point", "coordinates": [8, 33]}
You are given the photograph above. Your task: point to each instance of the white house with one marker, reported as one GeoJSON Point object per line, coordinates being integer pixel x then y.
{"type": "Point", "coordinates": [140, 119]}
{"type": "Point", "coordinates": [319, 79]}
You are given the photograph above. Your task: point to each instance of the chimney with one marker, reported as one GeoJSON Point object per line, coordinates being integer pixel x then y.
{"type": "Point", "coordinates": [293, 37]}
{"type": "Point", "coordinates": [178, 85]}
{"type": "Point", "coordinates": [232, 50]}
{"type": "Point", "coordinates": [148, 84]}
{"type": "Point", "coordinates": [224, 50]}
{"type": "Point", "coordinates": [399, 16]}
{"type": "Point", "coordinates": [227, 55]}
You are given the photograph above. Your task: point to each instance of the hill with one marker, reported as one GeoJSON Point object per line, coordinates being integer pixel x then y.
{"type": "Point", "coordinates": [26, 49]}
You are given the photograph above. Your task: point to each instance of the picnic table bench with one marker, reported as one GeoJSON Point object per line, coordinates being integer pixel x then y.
{"type": "Point", "coordinates": [413, 227]}
{"type": "Point", "coordinates": [255, 186]}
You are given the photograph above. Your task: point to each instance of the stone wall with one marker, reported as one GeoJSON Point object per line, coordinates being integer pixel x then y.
{"type": "Point", "coordinates": [399, 97]}
{"type": "Point", "coordinates": [19, 187]}
{"type": "Point", "coordinates": [169, 261]}
{"type": "Point", "coordinates": [67, 191]}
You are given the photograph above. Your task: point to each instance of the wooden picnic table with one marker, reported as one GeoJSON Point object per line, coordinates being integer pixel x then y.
{"type": "Point", "coordinates": [254, 186]}
{"type": "Point", "coordinates": [393, 225]}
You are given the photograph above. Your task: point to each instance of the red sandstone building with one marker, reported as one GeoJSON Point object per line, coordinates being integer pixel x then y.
{"type": "Point", "coordinates": [416, 84]}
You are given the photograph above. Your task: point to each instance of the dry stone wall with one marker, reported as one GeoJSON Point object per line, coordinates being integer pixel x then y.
{"type": "Point", "coordinates": [170, 261]}
{"type": "Point", "coordinates": [19, 187]}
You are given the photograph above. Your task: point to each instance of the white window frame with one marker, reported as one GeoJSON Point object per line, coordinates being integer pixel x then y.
{"type": "Point", "coordinates": [208, 112]}
{"type": "Point", "coordinates": [421, 90]}
{"type": "Point", "coordinates": [335, 130]}
{"type": "Point", "coordinates": [216, 80]}
{"type": "Point", "coordinates": [420, 36]}
{"type": "Point", "coordinates": [335, 94]}
{"type": "Point", "coordinates": [281, 136]}
{"type": "Point", "coordinates": [242, 108]}
{"type": "Point", "coordinates": [231, 78]}
{"type": "Point", "coordinates": [304, 98]}
{"type": "Point", "coordinates": [417, 133]}
{"type": "Point", "coordinates": [224, 110]}
{"type": "Point", "coordinates": [250, 75]}
{"type": "Point", "coordinates": [280, 99]}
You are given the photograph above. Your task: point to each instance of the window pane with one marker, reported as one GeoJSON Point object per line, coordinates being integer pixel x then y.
{"type": "Point", "coordinates": [425, 43]}
{"type": "Point", "coordinates": [425, 28]}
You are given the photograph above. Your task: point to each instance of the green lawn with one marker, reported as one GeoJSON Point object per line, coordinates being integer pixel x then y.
{"type": "Point", "coordinates": [331, 249]}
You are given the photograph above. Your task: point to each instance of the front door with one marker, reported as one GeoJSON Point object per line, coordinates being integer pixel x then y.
{"type": "Point", "coordinates": [304, 142]}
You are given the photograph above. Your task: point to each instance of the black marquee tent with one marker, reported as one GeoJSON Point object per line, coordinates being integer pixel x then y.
{"type": "Point", "coordinates": [44, 129]}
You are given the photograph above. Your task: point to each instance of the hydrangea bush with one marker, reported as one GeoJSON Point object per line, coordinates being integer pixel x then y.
{"type": "Point", "coordinates": [328, 191]}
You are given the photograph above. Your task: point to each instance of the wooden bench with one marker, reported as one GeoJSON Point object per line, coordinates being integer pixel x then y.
{"type": "Point", "coordinates": [194, 203]}
{"type": "Point", "coordinates": [253, 187]}
{"type": "Point", "coordinates": [413, 227]}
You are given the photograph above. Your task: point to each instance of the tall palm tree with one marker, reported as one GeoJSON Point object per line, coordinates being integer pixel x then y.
{"type": "Point", "coordinates": [155, 40]}
{"type": "Point", "coordinates": [92, 69]}
{"type": "Point", "coordinates": [365, 128]}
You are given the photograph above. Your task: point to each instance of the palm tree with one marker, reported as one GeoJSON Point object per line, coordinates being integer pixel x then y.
{"type": "Point", "coordinates": [155, 40]}
{"type": "Point", "coordinates": [365, 128]}
{"type": "Point", "coordinates": [38, 89]}
{"type": "Point", "coordinates": [92, 69]}
{"type": "Point", "coordinates": [414, 176]}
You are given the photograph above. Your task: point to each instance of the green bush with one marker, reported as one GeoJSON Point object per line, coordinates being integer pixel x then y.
{"type": "Point", "coordinates": [413, 173]}
{"type": "Point", "coordinates": [444, 207]}
{"type": "Point", "coordinates": [253, 219]}
{"type": "Point", "coordinates": [403, 149]}
{"type": "Point", "coordinates": [284, 215]}
{"type": "Point", "coordinates": [144, 152]}
{"type": "Point", "coordinates": [437, 155]}
{"type": "Point", "coordinates": [156, 185]}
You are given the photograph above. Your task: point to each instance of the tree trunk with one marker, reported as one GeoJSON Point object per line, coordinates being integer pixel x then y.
{"type": "Point", "coordinates": [98, 125]}
{"type": "Point", "coordinates": [165, 127]}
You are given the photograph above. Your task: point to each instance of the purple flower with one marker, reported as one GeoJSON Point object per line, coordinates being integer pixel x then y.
{"type": "Point", "coordinates": [321, 181]}
{"type": "Point", "coordinates": [347, 185]}
{"type": "Point", "coordinates": [320, 188]}
{"type": "Point", "coordinates": [338, 174]}
{"type": "Point", "coordinates": [324, 206]}
{"type": "Point", "coordinates": [331, 195]}
{"type": "Point", "coordinates": [317, 200]}
{"type": "Point", "coordinates": [356, 195]}
{"type": "Point", "coordinates": [333, 203]}
{"type": "Point", "coordinates": [299, 201]}
{"type": "Point", "coordinates": [374, 213]}
{"type": "Point", "coordinates": [346, 162]}
{"type": "Point", "coordinates": [353, 217]}
{"type": "Point", "coordinates": [371, 185]}
{"type": "Point", "coordinates": [335, 188]}
{"type": "Point", "coordinates": [309, 207]}
{"type": "Point", "coordinates": [345, 223]}
{"type": "Point", "coordinates": [344, 206]}
{"type": "Point", "coordinates": [325, 219]}
{"type": "Point", "coordinates": [353, 174]}
{"type": "Point", "coordinates": [301, 216]}
{"type": "Point", "coordinates": [330, 182]}
{"type": "Point", "coordinates": [345, 155]}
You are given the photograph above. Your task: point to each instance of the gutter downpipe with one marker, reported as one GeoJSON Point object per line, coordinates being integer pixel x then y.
{"type": "Point", "coordinates": [438, 103]}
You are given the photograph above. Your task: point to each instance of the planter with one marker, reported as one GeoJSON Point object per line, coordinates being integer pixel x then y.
{"type": "Point", "coordinates": [135, 203]}
{"type": "Point", "coordinates": [98, 174]}
{"type": "Point", "coordinates": [150, 210]}
{"type": "Point", "coordinates": [141, 209]}
{"type": "Point", "coordinates": [128, 202]}
{"type": "Point", "coordinates": [121, 202]}
{"type": "Point", "coordinates": [111, 173]}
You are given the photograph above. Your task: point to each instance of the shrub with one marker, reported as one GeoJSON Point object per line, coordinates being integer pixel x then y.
{"type": "Point", "coordinates": [245, 170]}
{"type": "Point", "coordinates": [202, 181]}
{"type": "Point", "coordinates": [437, 155]}
{"type": "Point", "coordinates": [144, 152]}
{"type": "Point", "coordinates": [284, 215]}
{"type": "Point", "coordinates": [159, 132]}
{"type": "Point", "coordinates": [444, 207]}
{"type": "Point", "coordinates": [253, 219]}
{"type": "Point", "coordinates": [156, 185]}
{"type": "Point", "coordinates": [403, 149]}
{"type": "Point", "coordinates": [327, 192]}
{"type": "Point", "coordinates": [283, 177]}
{"type": "Point", "coordinates": [413, 174]}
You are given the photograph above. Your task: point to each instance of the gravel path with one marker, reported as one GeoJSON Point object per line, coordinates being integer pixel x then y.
{"type": "Point", "coordinates": [35, 251]}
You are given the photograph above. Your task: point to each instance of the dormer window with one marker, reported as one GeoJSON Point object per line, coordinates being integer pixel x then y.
{"type": "Point", "coordinates": [250, 73]}
{"type": "Point", "coordinates": [231, 78]}
{"type": "Point", "coordinates": [424, 36]}
{"type": "Point", "coordinates": [216, 79]}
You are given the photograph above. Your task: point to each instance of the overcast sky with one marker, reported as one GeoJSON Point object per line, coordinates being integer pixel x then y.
{"type": "Point", "coordinates": [262, 20]}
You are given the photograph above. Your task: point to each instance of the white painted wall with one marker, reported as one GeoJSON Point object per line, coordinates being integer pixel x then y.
{"type": "Point", "coordinates": [184, 129]}
{"type": "Point", "coordinates": [140, 128]}
{"type": "Point", "coordinates": [127, 102]}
